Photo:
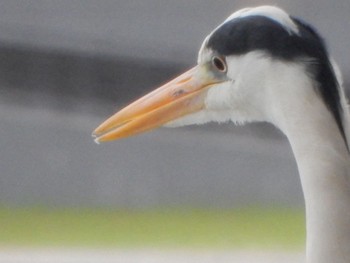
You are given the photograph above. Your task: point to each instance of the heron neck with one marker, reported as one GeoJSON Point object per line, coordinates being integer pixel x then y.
{"type": "Point", "coordinates": [324, 165]}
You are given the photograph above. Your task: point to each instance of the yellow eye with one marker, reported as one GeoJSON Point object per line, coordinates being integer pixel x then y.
{"type": "Point", "coordinates": [219, 64]}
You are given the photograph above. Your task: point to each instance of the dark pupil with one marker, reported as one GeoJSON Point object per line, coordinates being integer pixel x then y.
{"type": "Point", "coordinates": [219, 64]}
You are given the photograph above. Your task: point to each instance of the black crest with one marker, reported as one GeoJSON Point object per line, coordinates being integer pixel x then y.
{"type": "Point", "coordinates": [245, 34]}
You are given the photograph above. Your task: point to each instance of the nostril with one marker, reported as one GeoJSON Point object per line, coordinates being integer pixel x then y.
{"type": "Point", "coordinates": [179, 93]}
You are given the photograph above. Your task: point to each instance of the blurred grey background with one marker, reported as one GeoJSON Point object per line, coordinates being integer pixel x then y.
{"type": "Point", "coordinates": [66, 65]}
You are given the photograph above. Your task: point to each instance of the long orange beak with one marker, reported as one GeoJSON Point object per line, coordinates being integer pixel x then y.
{"type": "Point", "coordinates": [179, 97]}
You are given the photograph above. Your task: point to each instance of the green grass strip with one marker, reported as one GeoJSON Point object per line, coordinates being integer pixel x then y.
{"type": "Point", "coordinates": [174, 228]}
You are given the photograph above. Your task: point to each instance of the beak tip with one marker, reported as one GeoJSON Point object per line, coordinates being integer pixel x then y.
{"type": "Point", "coordinates": [97, 141]}
{"type": "Point", "coordinates": [95, 137]}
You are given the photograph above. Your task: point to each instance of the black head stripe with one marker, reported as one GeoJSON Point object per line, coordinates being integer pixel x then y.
{"type": "Point", "coordinates": [242, 35]}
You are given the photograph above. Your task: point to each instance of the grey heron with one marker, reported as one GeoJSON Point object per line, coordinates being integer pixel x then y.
{"type": "Point", "coordinates": [262, 64]}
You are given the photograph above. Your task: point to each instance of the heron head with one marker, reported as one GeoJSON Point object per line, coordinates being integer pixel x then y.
{"type": "Point", "coordinates": [236, 65]}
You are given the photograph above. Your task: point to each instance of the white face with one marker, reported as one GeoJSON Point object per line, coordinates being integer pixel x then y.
{"type": "Point", "coordinates": [240, 98]}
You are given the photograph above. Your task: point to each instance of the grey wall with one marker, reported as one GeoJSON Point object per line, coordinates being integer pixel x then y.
{"type": "Point", "coordinates": [160, 30]}
{"type": "Point", "coordinates": [66, 65]}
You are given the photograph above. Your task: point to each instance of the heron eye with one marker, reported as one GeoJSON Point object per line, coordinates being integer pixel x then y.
{"type": "Point", "coordinates": [219, 64]}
